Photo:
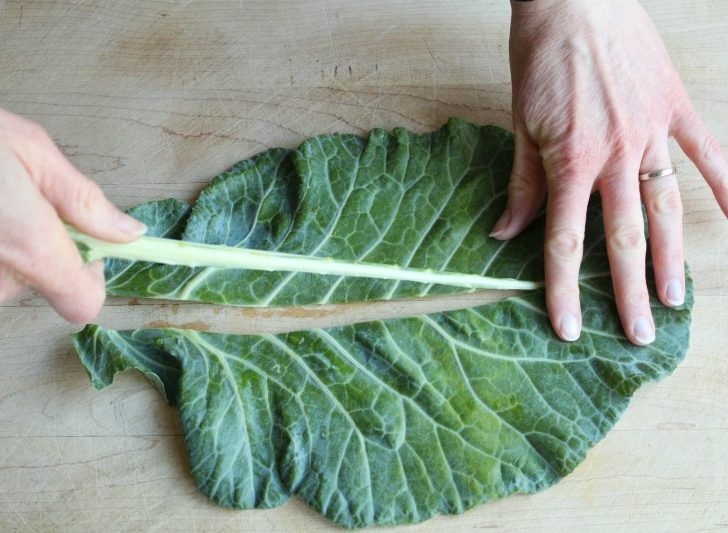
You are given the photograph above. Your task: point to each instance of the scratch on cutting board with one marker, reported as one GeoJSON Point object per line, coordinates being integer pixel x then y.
{"type": "Point", "coordinates": [432, 56]}
{"type": "Point", "coordinates": [332, 41]}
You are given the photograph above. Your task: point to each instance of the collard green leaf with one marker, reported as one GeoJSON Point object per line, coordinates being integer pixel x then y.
{"type": "Point", "coordinates": [392, 421]}
{"type": "Point", "coordinates": [425, 201]}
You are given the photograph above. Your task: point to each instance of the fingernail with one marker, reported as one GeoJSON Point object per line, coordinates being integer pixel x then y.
{"type": "Point", "coordinates": [643, 330]}
{"type": "Point", "coordinates": [502, 223]}
{"type": "Point", "coordinates": [674, 293]}
{"type": "Point", "coordinates": [129, 225]}
{"type": "Point", "coordinates": [569, 327]}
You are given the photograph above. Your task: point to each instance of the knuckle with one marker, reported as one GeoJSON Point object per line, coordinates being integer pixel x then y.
{"type": "Point", "coordinates": [665, 202]}
{"type": "Point", "coordinates": [710, 148]}
{"type": "Point", "coordinates": [575, 154]}
{"type": "Point", "coordinates": [570, 159]}
{"type": "Point", "coordinates": [565, 244]}
{"type": "Point", "coordinates": [563, 290]}
{"type": "Point", "coordinates": [627, 238]}
{"type": "Point", "coordinates": [717, 178]}
{"type": "Point", "coordinates": [523, 184]}
{"type": "Point", "coordinates": [671, 256]}
{"type": "Point", "coordinates": [86, 196]}
{"type": "Point", "coordinates": [637, 295]}
{"type": "Point", "coordinates": [622, 143]}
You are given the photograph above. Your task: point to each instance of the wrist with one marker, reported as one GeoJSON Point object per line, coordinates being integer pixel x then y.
{"type": "Point", "coordinates": [528, 16]}
{"type": "Point", "coordinates": [532, 12]}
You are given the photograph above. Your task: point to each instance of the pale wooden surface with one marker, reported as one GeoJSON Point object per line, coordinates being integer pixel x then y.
{"type": "Point", "coordinates": [153, 98]}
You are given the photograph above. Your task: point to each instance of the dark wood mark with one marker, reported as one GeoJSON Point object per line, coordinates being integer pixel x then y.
{"type": "Point", "coordinates": [197, 325]}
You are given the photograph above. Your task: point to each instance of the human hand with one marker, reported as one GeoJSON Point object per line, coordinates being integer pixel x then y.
{"type": "Point", "coordinates": [594, 99]}
{"type": "Point", "coordinates": [38, 189]}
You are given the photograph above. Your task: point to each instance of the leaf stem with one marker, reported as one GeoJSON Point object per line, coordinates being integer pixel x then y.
{"type": "Point", "coordinates": [193, 254]}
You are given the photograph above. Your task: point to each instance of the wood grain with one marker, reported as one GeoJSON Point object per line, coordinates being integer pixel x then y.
{"type": "Point", "coordinates": [153, 98]}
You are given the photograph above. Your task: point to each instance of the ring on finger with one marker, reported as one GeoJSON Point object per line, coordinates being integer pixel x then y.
{"type": "Point", "coordinates": [662, 173]}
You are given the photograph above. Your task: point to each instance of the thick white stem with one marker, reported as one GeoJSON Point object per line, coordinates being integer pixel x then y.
{"type": "Point", "coordinates": [192, 254]}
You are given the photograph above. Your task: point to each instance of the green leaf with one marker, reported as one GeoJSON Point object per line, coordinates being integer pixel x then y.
{"type": "Point", "coordinates": [392, 421]}
{"type": "Point", "coordinates": [423, 201]}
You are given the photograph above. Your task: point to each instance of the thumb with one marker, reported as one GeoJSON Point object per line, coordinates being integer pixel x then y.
{"type": "Point", "coordinates": [77, 199]}
{"type": "Point", "coordinates": [526, 190]}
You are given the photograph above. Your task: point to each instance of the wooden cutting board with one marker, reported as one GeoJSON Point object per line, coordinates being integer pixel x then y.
{"type": "Point", "coordinates": [153, 98]}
